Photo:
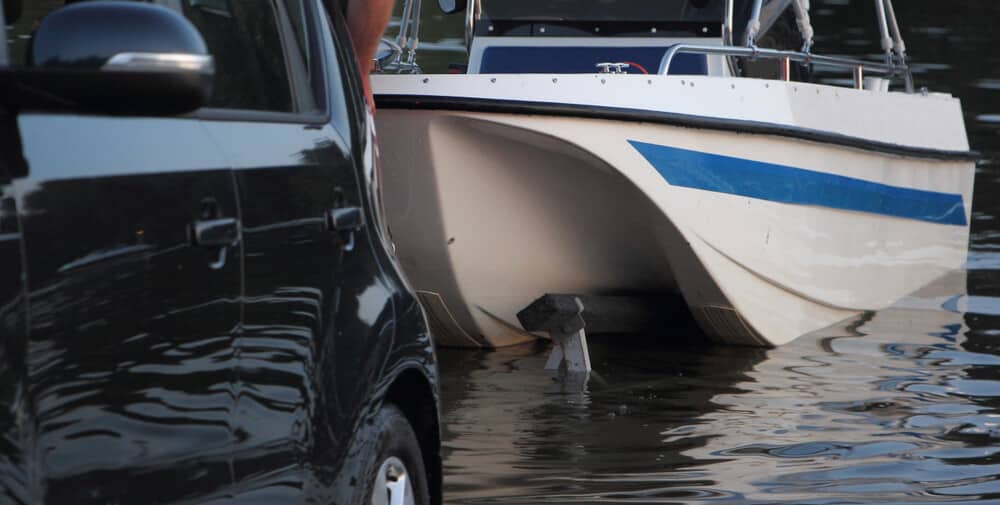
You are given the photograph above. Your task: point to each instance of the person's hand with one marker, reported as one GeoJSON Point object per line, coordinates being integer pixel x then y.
{"type": "Point", "coordinates": [369, 96]}
{"type": "Point", "coordinates": [366, 22]}
{"type": "Point", "coordinates": [366, 86]}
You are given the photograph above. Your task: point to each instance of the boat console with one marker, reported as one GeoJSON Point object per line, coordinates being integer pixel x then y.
{"type": "Point", "coordinates": [568, 37]}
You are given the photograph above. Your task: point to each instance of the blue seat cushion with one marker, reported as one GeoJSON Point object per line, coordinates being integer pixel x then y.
{"type": "Point", "coordinates": [584, 60]}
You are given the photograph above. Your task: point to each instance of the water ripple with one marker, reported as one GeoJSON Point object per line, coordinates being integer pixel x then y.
{"type": "Point", "coordinates": [896, 406]}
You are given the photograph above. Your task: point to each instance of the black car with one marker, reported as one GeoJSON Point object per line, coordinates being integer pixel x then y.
{"type": "Point", "coordinates": [197, 299]}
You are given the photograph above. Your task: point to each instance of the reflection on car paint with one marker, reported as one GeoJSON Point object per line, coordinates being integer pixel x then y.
{"type": "Point", "coordinates": [153, 373]}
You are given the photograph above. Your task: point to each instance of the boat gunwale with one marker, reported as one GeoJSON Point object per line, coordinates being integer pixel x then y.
{"type": "Point", "coordinates": [506, 106]}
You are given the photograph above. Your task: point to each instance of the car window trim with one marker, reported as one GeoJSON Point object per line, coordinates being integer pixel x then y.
{"type": "Point", "coordinates": [315, 14]}
{"type": "Point", "coordinates": [296, 69]}
{"type": "Point", "coordinates": [320, 116]}
{"type": "Point", "coordinates": [342, 56]}
{"type": "Point", "coordinates": [317, 118]}
{"type": "Point", "coordinates": [4, 50]}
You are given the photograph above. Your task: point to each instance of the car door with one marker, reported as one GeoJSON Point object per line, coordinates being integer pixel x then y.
{"type": "Point", "coordinates": [268, 120]}
{"type": "Point", "coordinates": [130, 356]}
{"type": "Point", "coordinates": [302, 222]}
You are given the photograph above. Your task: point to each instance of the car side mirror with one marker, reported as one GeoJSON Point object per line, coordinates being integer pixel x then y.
{"type": "Point", "coordinates": [452, 6]}
{"type": "Point", "coordinates": [116, 57]}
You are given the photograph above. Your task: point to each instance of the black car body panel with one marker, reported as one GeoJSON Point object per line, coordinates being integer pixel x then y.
{"type": "Point", "coordinates": [13, 327]}
{"type": "Point", "coordinates": [132, 326]}
{"type": "Point", "coordinates": [201, 309]}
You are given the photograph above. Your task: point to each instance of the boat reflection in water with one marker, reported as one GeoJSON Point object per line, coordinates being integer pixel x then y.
{"type": "Point", "coordinates": [893, 405]}
{"type": "Point", "coordinates": [514, 430]}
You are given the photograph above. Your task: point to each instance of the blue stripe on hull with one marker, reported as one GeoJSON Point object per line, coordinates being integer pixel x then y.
{"type": "Point", "coordinates": [778, 183]}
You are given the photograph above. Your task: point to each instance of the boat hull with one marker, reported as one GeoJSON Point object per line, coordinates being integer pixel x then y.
{"type": "Point", "coordinates": [766, 236]}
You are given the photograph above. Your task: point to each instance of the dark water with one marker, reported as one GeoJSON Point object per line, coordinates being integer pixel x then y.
{"type": "Point", "coordinates": [898, 406]}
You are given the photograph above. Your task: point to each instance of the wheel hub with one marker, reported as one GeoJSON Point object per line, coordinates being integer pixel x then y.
{"type": "Point", "coordinates": [392, 484]}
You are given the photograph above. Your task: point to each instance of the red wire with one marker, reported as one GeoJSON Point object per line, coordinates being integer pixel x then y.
{"type": "Point", "coordinates": [636, 65]}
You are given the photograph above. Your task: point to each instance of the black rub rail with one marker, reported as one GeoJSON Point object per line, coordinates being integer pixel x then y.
{"type": "Point", "coordinates": [491, 105]}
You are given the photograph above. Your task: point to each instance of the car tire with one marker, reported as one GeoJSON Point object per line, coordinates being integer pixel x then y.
{"type": "Point", "coordinates": [395, 472]}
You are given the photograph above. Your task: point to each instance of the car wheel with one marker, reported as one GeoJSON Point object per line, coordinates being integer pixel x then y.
{"type": "Point", "coordinates": [396, 473]}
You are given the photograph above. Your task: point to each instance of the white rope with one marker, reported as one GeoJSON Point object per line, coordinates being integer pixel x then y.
{"type": "Point", "coordinates": [753, 27]}
{"type": "Point", "coordinates": [805, 24]}
{"type": "Point", "coordinates": [752, 31]}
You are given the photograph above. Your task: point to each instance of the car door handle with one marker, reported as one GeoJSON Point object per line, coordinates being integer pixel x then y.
{"type": "Point", "coordinates": [345, 221]}
{"type": "Point", "coordinates": [212, 233]}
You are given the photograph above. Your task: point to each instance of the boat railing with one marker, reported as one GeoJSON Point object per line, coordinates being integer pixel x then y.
{"type": "Point", "coordinates": [474, 10]}
{"type": "Point", "coordinates": [891, 40]}
{"type": "Point", "coordinates": [400, 56]}
{"type": "Point", "coordinates": [859, 68]}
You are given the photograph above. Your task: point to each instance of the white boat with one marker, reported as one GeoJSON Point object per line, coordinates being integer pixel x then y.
{"type": "Point", "coordinates": [644, 153]}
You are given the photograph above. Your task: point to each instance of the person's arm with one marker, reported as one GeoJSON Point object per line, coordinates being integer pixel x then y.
{"type": "Point", "coordinates": [367, 19]}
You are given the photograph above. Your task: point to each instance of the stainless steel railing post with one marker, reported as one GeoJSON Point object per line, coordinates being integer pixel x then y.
{"type": "Point", "coordinates": [400, 55]}
{"type": "Point", "coordinates": [883, 28]}
{"type": "Point", "coordinates": [404, 23]}
{"type": "Point", "coordinates": [900, 46]}
{"type": "Point", "coordinates": [727, 24]}
{"type": "Point", "coordinates": [472, 12]}
{"type": "Point", "coordinates": [411, 56]}
{"type": "Point", "coordinates": [897, 36]}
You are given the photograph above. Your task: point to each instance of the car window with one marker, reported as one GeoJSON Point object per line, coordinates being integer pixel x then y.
{"type": "Point", "coordinates": [297, 18]}
{"type": "Point", "coordinates": [307, 40]}
{"type": "Point", "coordinates": [260, 47]}
{"type": "Point", "coordinates": [251, 71]}
{"type": "Point", "coordinates": [4, 58]}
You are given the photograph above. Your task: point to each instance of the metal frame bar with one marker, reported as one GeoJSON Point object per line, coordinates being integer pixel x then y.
{"type": "Point", "coordinates": [727, 23]}
{"type": "Point", "coordinates": [402, 58]}
{"type": "Point", "coordinates": [404, 21]}
{"type": "Point", "coordinates": [473, 10]}
{"type": "Point", "coordinates": [883, 28]}
{"type": "Point", "coordinates": [786, 69]}
{"type": "Point", "coordinates": [409, 30]}
{"type": "Point", "coordinates": [750, 52]}
{"type": "Point", "coordinates": [898, 43]}
{"type": "Point", "coordinates": [897, 36]}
